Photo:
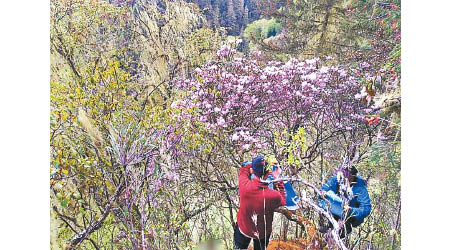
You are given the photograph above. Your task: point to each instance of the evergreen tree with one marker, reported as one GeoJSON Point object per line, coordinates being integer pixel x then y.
{"type": "Point", "coordinates": [239, 10]}
{"type": "Point", "coordinates": [215, 15]}
{"type": "Point", "coordinates": [231, 17]}
{"type": "Point", "coordinates": [245, 16]}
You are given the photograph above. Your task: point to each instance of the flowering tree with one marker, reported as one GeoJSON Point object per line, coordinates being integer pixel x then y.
{"type": "Point", "coordinates": [248, 104]}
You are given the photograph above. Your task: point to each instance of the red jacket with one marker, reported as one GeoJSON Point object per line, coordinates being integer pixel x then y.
{"type": "Point", "coordinates": [252, 194]}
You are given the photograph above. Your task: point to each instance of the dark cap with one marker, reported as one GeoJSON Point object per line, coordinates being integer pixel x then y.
{"type": "Point", "coordinates": [258, 165]}
{"type": "Point", "coordinates": [348, 170]}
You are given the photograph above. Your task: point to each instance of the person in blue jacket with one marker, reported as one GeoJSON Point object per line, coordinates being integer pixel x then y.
{"type": "Point", "coordinates": [347, 184]}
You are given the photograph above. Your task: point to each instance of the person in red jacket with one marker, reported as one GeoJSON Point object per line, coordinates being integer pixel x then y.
{"type": "Point", "coordinates": [257, 205]}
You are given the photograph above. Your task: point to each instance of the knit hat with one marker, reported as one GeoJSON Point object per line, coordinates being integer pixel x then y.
{"type": "Point", "coordinates": [259, 164]}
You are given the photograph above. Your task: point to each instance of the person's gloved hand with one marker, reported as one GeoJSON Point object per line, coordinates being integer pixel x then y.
{"type": "Point", "coordinates": [346, 208]}
{"type": "Point", "coordinates": [279, 185]}
{"type": "Point", "coordinates": [277, 173]}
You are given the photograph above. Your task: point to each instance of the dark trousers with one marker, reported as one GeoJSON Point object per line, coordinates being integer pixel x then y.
{"type": "Point", "coordinates": [347, 229]}
{"type": "Point", "coordinates": [241, 241]}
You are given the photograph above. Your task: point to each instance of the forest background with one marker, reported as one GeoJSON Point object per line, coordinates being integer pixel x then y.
{"type": "Point", "coordinates": [423, 115]}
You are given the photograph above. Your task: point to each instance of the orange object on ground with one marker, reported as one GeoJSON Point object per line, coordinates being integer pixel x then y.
{"type": "Point", "coordinates": [311, 242]}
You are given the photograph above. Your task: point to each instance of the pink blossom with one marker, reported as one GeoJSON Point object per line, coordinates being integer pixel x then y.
{"type": "Point", "coordinates": [257, 54]}
{"type": "Point", "coordinates": [250, 91]}
{"type": "Point", "coordinates": [310, 61]}
{"type": "Point", "coordinates": [364, 65]}
{"type": "Point", "coordinates": [380, 136]}
{"type": "Point", "coordinates": [221, 122]}
{"type": "Point", "coordinates": [312, 76]}
{"type": "Point", "coordinates": [324, 69]}
{"type": "Point", "coordinates": [225, 51]}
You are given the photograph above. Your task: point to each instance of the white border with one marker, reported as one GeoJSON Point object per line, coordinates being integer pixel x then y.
{"type": "Point", "coordinates": [24, 102]}
{"type": "Point", "coordinates": [425, 128]}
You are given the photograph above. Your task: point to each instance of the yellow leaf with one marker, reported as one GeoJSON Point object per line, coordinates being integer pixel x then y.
{"type": "Point", "coordinates": [65, 171]}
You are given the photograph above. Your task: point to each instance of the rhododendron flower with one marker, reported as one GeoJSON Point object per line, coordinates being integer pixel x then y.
{"type": "Point", "coordinates": [225, 51]}
{"type": "Point", "coordinates": [235, 137]}
{"type": "Point", "coordinates": [198, 70]}
{"type": "Point", "coordinates": [254, 100]}
{"type": "Point", "coordinates": [342, 73]}
{"type": "Point", "coordinates": [221, 122]}
{"type": "Point", "coordinates": [364, 65]}
{"type": "Point", "coordinates": [172, 176]}
{"type": "Point", "coordinates": [380, 136]}
{"type": "Point", "coordinates": [310, 61]}
{"type": "Point", "coordinates": [324, 69]}
{"type": "Point", "coordinates": [270, 70]}
{"type": "Point", "coordinates": [312, 76]}
{"type": "Point", "coordinates": [257, 53]}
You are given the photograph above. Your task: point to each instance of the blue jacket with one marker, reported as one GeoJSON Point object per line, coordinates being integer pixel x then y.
{"type": "Point", "coordinates": [360, 206]}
